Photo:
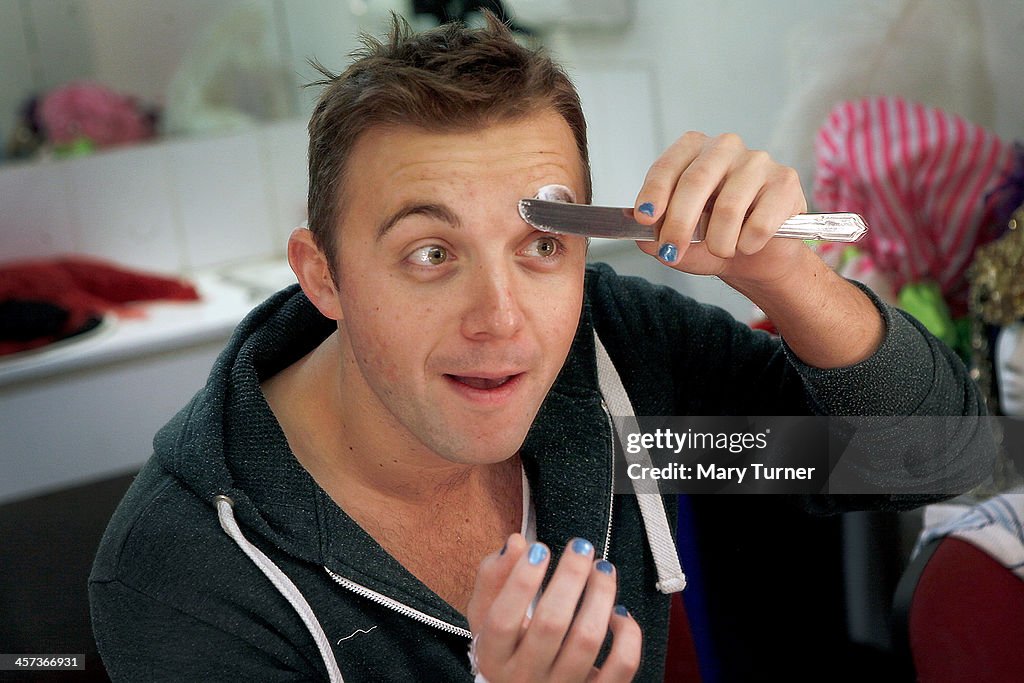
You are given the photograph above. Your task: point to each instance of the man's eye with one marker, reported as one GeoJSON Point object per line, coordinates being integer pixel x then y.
{"type": "Point", "coordinates": [433, 255]}
{"type": "Point", "coordinates": [544, 247]}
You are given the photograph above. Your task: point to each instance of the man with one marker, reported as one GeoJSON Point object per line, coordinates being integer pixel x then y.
{"type": "Point", "coordinates": [431, 395]}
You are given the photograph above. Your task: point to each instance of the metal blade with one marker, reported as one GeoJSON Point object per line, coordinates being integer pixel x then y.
{"type": "Point", "coordinates": [617, 223]}
{"type": "Point", "coordinates": [595, 221]}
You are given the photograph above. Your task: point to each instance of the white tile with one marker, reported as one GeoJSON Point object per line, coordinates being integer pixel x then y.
{"type": "Point", "coordinates": [286, 147]}
{"type": "Point", "coordinates": [16, 84]}
{"type": "Point", "coordinates": [325, 30]}
{"type": "Point", "coordinates": [621, 148]}
{"type": "Point", "coordinates": [62, 41]}
{"type": "Point", "coordinates": [139, 46]}
{"type": "Point", "coordinates": [121, 204]}
{"type": "Point", "coordinates": [35, 215]}
{"type": "Point", "coordinates": [221, 194]}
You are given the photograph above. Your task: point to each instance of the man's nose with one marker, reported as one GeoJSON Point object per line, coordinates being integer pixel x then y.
{"type": "Point", "coordinates": [494, 309]}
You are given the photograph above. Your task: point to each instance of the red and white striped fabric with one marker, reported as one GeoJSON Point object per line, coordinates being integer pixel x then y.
{"type": "Point", "coordinates": [922, 179]}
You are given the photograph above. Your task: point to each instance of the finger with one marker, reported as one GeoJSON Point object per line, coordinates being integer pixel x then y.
{"type": "Point", "coordinates": [590, 627]}
{"type": "Point", "coordinates": [499, 634]}
{"type": "Point", "coordinates": [556, 607]}
{"type": "Point", "coordinates": [661, 179]}
{"type": "Point", "coordinates": [696, 186]}
{"type": "Point", "coordinates": [781, 198]}
{"type": "Point", "coordinates": [737, 195]}
{"type": "Point", "coordinates": [623, 659]}
{"type": "Point", "coordinates": [491, 576]}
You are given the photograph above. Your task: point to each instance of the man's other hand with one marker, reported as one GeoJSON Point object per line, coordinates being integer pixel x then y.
{"type": "Point", "coordinates": [572, 617]}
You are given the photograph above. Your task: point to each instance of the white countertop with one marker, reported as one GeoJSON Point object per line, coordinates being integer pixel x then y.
{"type": "Point", "coordinates": [226, 296]}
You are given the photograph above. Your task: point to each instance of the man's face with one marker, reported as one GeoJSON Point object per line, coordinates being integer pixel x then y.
{"type": "Point", "coordinates": [456, 315]}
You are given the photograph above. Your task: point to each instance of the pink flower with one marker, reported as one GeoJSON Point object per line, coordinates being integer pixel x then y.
{"type": "Point", "coordinates": [92, 111]}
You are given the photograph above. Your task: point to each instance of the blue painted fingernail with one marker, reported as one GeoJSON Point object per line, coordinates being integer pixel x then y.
{"type": "Point", "coordinates": [582, 546]}
{"type": "Point", "coordinates": [668, 252]}
{"type": "Point", "coordinates": [538, 554]}
{"type": "Point", "coordinates": [621, 610]}
{"type": "Point", "coordinates": [647, 209]}
{"type": "Point", "coordinates": [605, 566]}
{"type": "Point", "coordinates": [503, 548]}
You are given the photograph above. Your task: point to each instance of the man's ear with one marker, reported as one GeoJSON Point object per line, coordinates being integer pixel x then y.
{"type": "Point", "coordinates": [311, 268]}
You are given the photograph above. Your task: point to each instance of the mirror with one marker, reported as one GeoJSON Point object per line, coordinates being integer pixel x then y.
{"type": "Point", "coordinates": [180, 66]}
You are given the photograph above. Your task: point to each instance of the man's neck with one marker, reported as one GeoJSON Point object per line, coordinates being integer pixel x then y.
{"type": "Point", "coordinates": [355, 461]}
{"type": "Point", "coordinates": [417, 506]}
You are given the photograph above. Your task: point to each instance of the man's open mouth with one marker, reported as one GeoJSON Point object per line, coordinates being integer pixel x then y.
{"type": "Point", "coordinates": [483, 382]}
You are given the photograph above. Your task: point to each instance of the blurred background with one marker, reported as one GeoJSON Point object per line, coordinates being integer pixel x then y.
{"type": "Point", "coordinates": [166, 139]}
{"type": "Point", "coordinates": [168, 136]}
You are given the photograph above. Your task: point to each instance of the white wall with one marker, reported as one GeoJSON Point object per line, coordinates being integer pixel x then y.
{"type": "Point", "coordinates": [184, 205]}
{"type": "Point", "coordinates": [718, 66]}
{"type": "Point", "coordinates": [678, 65]}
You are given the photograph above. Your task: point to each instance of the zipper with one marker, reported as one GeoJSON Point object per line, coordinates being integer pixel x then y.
{"type": "Point", "coordinates": [442, 625]}
{"type": "Point", "coordinates": [396, 606]}
{"type": "Point", "coordinates": [611, 476]}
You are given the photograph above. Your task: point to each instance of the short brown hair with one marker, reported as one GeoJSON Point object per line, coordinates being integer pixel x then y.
{"type": "Point", "coordinates": [447, 78]}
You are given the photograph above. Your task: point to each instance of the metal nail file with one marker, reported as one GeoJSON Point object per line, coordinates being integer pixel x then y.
{"type": "Point", "coordinates": [617, 223]}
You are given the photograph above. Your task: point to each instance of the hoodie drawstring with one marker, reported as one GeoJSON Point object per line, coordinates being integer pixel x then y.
{"type": "Point", "coordinates": [670, 574]}
{"type": "Point", "coordinates": [281, 582]}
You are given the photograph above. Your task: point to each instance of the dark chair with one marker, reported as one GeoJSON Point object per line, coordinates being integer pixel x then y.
{"type": "Point", "coordinates": [47, 545]}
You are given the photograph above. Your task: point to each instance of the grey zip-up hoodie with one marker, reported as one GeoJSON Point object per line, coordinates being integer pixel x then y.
{"type": "Point", "coordinates": [174, 597]}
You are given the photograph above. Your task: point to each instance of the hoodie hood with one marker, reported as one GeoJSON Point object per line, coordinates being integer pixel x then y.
{"type": "Point", "coordinates": [226, 441]}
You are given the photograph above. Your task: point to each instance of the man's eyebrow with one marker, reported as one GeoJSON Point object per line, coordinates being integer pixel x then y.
{"type": "Point", "coordinates": [436, 211]}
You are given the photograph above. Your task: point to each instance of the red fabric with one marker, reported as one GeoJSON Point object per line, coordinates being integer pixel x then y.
{"type": "Point", "coordinates": [84, 287]}
{"type": "Point", "coordinates": [922, 178]}
{"type": "Point", "coordinates": [765, 325]}
{"type": "Point", "coordinates": [681, 661]}
{"type": "Point", "coordinates": [967, 618]}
